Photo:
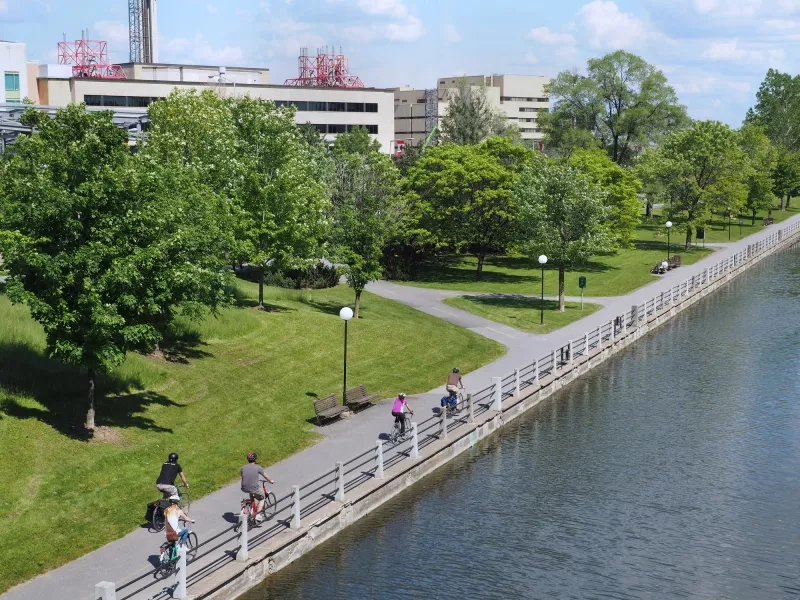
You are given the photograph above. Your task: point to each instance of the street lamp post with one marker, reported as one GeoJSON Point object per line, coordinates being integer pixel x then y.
{"type": "Point", "coordinates": [668, 225]}
{"type": "Point", "coordinates": [346, 314]}
{"type": "Point", "coordinates": [729, 223]}
{"type": "Point", "coordinates": [543, 262]}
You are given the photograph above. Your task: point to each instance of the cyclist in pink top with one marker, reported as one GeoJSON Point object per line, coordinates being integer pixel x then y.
{"type": "Point", "coordinates": [400, 404]}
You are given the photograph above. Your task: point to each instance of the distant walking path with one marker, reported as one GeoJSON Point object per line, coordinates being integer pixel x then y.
{"type": "Point", "coordinates": [129, 557]}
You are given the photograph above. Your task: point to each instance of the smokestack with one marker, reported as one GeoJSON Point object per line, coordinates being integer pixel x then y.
{"type": "Point", "coordinates": [154, 30]}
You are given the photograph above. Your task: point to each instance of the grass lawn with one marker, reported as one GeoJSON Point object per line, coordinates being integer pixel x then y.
{"type": "Point", "coordinates": [608, 275]}
{"type": "Point", "coordinates": [238, 382]}
{"type": "Point", "coordinates": [521, 312]}
{"type": "Point", "coordinates": [716, 231]}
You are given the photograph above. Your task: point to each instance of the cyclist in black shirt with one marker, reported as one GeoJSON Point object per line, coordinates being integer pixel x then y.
{"type": "Point", "coordinates": [169, 472]}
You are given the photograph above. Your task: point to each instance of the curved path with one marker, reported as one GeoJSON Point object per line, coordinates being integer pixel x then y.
{"type": "Point", "coordinates": [129, 556]}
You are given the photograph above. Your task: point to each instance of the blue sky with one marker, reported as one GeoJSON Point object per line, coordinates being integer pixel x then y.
{"type": "Point", "coordinates": [714, 52]}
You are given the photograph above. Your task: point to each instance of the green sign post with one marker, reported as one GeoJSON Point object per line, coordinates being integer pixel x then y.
{"type": "Point", "coordinates": [582, 285]}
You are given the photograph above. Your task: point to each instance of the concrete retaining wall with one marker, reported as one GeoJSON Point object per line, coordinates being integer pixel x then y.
{"type": "Point", "coordinates": [234, 579]}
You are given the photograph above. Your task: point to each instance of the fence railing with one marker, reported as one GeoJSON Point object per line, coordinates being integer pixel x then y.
{"type": "Point", "coordinates": [337, 483]}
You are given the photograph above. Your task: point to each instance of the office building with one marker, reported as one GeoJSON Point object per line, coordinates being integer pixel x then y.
{"type": "Point", "coordinates": [19, 75]}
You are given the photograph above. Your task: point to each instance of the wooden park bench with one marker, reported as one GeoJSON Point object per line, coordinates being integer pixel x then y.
{"type": "Point", "coordinates": [328, 408]}
{"type": "Point", "coordinates": [659, 268]}
{"type": "Point", "coordinates": [675, 261]}
{"type": "Point", "coordinates": [358, 396]}
{"type": "Point", "coordinates": [768, 221]}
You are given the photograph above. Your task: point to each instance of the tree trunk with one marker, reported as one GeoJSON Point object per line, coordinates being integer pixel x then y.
{"type": "Point", "coordinates": [358, 303]}
{"type": "Point", "coordinates": [688, 245]}
{"type": "Point", "coordinates": [753, 222]}
{"type": "Point", "coordinates": [648, 210]}
{"type": "Point", "coordinates": [561, 288]}
{"type": "Point", "coordinates": [261, 289]}
{"type": "Point", "coordinates": [783, 202]}
{"type": "Point", "coordinates": [481, 260]}
{"type": "Point", "coordinates": [90, 412]}
{"type": "Point", "coordinates": [788, 201]}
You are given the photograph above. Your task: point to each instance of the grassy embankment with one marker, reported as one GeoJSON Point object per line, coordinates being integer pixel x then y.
{"type": "Point", "coordinates": [242, 381]}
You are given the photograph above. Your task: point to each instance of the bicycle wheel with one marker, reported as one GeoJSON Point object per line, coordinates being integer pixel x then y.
{"type": "Point", "coordinates": [186, 500]}
{"type": "Point", "coordinates": [164, 570]}
{"type": "Point", "coordinates": [191, 546]}
{"type": "Point", "coordinates": [395, 435]}
{"type": "Point", "coordinates": [158, 519]}
{"type": "Point", "coordinates": [270, 503]}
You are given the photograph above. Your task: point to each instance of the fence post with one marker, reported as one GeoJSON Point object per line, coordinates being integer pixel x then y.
{"type": "Point", "coordinates": [611, 330]}
{"type": "Point", "coordinates": [586, 343]}
{"type": "Point", "coordinates": [105, 590]}
{"type": "Point", "coordinates": [443, 423]}
{"type": "Point", "coordinates": [471, 408]}
{"type": "Point", "coordinates": [379, 467]}
{"type": "Point", "coordinates": [180, 589]}
{"type": "Point", "coordinates": [624, 323]}
{"type": "Point", "coordinates": [516, 385]}
{"type": "Point", "coordinates": [554, 368]}
{"type": "Point", "coordinates": [662, 300]}
{"type": "Point", "coordinates": [497, 382]}
{"type": "Point", "coordinates": [295, 524]}
{"type": "Point", "coordinates": [536, 370]}
{"type": "Point", "coordinates": [415, 439]}
{"type": "Point", "coordinates": [635, 315]}
{"type": "Point", "coordinates": [340, 477]}
{"type": "Point", "coordinates": [571, 360]}
{"type": "Point", "coordinates": [241, 554]}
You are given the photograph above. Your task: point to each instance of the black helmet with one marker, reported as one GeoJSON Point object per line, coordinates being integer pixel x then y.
{"type": "Point", "coordinates": [173, 458]}
{"type": "Point", "coordinates": [455, 369]}
{"type": "Point", "coordinates": [252, 457]}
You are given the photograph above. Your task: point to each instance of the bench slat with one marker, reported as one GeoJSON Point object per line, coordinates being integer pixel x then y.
{"type": "Point", "coordinates": [328, 408]}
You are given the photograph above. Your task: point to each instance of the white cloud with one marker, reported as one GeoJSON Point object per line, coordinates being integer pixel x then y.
{"type": "Point", "coordinates": [405, 27]}
{"type": "Point", "coordinates": [289, 36]}
{"type": "Point", "coordinates": [3, 6]}
{"type": "Point", "coordinates": [200, 51]}
{"type": "Point", "coordinates": [608, 27]}
{"type": "Point", "coordinates": [544, 36]}
{"type": "Point", "coordinates": [727, 8]}
{"type": "Point", "coordinates": [212, 10]}
{"type": "Point", "coordinates": [114, 32]}
{"type": "Point", "coordinates": [731, 50]}
{"type": "Point", "coordinates": [451, 34]}
{"type": "Point", "coordinates": [739, 86]}
{"type": "Point", "coordinates": [531, 58]}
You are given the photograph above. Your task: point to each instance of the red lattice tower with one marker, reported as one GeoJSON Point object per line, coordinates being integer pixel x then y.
{"type": "Point", "coordinates": [324, 70]}
{"type": "Point", "coordinates": [89, 58]}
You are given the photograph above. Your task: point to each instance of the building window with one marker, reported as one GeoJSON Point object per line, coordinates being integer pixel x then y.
{"type": "Point", "coordinates": [12, 82]}
{"type": "Point", "coordinates": [323, 129]}
{"type": "Point", "coordinates": [337, 128]}
{"type": "Point", "coordinates": [129, 101]}
{"type": "Point", "coordinates": [317, 106]}
{"type": "Point", "coordinates": [337, 106]}
{"type": "Point", "coordinates": [371, 107]}
{"type": "Point", "coordinates": [355, 107]}
{"type": "Point", "coordinates": [373, 129]}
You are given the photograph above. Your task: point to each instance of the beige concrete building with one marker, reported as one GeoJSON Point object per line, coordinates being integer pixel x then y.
{"type": "Point", "coordinates": [331, 110]}
{"type": "Point", "coordinates": [519, 97]}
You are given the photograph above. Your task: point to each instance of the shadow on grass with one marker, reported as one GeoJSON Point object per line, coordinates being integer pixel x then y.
{"type": "Point", "coordinates": [181, 345]}
{"type": "Point", "coordinates": [511, 301]}
{"type": "Point", "coordinates": [62, 391]}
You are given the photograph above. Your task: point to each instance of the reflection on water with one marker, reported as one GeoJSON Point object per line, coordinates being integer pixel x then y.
{"type": "Point", "coordinates": [671, 472]}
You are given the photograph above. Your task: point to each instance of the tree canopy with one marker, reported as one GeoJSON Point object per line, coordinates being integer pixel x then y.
{"type": "Point", "coordinates": [470, 119]}
{"type": "Point", "coordinates": [778, 109]}
{"type": "Point", "coordinates": [623, 103]}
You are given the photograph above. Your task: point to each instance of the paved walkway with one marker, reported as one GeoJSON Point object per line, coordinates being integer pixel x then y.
{"type": "Point", "coordinates": [129, 556]}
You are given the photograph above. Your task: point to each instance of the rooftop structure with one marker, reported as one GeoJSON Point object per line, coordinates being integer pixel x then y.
{"type": "Point", "coordinates": [143, 30]}
{"type": "Point", "coordinates": [89, 58]}
{"type": "Point", "coordinates": [324, 70]}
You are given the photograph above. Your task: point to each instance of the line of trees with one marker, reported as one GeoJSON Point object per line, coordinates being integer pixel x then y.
{"type": "Point", "coordinates": [107, 244]}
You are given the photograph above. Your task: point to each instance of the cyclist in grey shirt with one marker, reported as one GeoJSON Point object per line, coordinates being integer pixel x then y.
{"type": "Point", "coordinates": [251, 481]}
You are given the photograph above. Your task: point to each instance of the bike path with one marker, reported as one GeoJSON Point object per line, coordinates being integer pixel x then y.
{"type": "Point", "coordinates": [130, 556]}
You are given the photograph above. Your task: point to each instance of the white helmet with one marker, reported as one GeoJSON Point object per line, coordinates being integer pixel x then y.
{"type": "Point", "coordinates": [174, 498]}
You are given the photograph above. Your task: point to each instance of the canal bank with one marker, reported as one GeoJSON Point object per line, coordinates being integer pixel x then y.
{"type": "Point", "coordinates": [383, 474]}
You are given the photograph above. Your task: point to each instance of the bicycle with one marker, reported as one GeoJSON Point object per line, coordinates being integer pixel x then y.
{"type": "Point", "coordinates": [158, 520]}
{"type": "Point", "coordinates": [168, 556]}
{"type": "Point", "coordinates": [250, 507]}
{"type": "Point", "coordinates": [454, 409]}
{"type": "Point", "coordinates": [396, 437]}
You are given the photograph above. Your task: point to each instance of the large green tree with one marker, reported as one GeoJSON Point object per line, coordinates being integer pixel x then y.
{"type": "Point", "coordinates": [466, 199]}
{"type": "Point", "coordinates": [701, 168]}
{"type": "Point", "coordinates": [786, 175]}
{"type": "Point", "coordinates": [622, 191]}
{"type": "Point", "coordinates": [470, 117]}
{"type": "Point", "coordinates": [622, 102]}
{"type": "Point", "coordinates": [778, 109]}
{"type": "Point", "coordinates": [562, 214]}
{"type": "Point", "coordinates": [763, 159]}
{"type": "Point", "coordinates": [365, 211]}
{"type": "Point", "coordinates": [104, 247]}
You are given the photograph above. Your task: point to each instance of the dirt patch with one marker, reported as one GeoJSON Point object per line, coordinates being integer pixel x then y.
{"type": "Point", "coordinates": [107, 435]}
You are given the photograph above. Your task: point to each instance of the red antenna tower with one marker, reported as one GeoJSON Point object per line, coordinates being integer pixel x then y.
{"type": "Point", "coordinates": [89, 58]}
{"type": "Point", "coordinates": [324, 70]}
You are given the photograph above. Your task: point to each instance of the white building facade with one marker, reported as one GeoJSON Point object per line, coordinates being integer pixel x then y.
{"type": "Point", "coordinates": [14, 70]}
{"type": "Point", "coordinates": [521, 98]}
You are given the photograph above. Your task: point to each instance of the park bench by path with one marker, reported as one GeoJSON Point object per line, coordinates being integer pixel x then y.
{"type": "Point", "coordinates": [675, 261]}
{"type": "Point", "coordinates": [659, 268]}
{"type": "Point", "coordinates": [328, 408]}
{"type": "Point", "coordinates": [768, 221]}
{"type": "Point", "coordinates": [358, 397]}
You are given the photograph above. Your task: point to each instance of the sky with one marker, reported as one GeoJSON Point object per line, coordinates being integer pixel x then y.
{"type": "Point", "coordinates": [715, 53]}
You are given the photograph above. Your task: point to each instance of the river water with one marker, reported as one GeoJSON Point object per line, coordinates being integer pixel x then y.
{"type": "Point", "coordinates": [672, 471]}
